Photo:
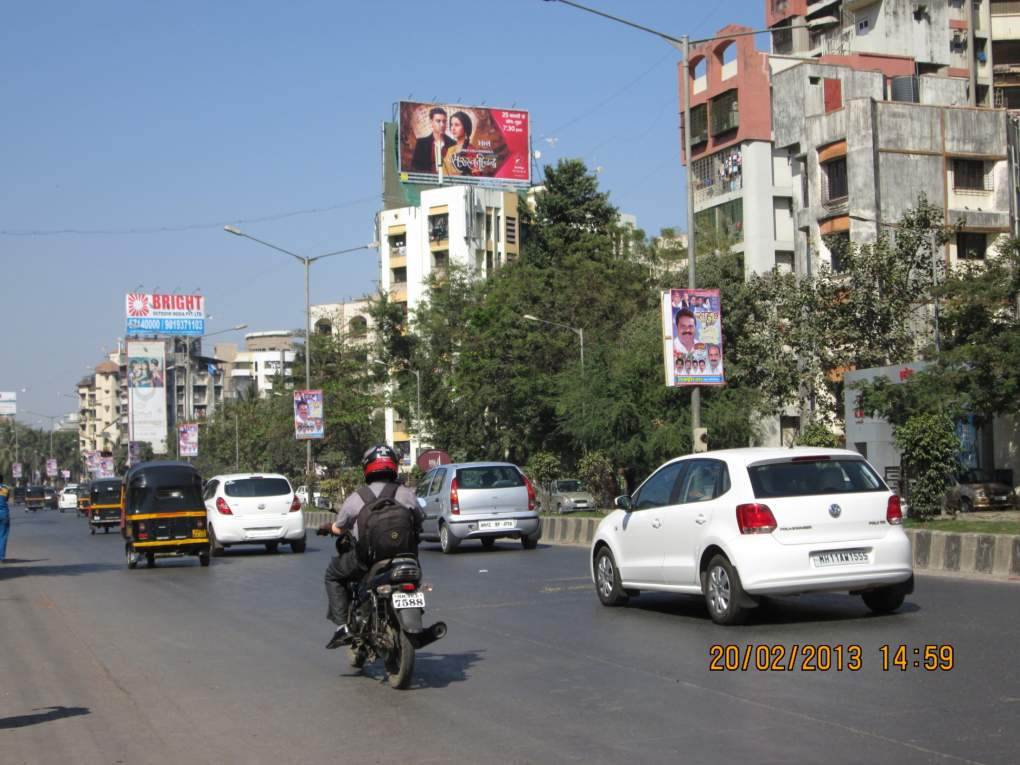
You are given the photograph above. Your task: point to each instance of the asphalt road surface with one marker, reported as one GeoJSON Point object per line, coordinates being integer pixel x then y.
{"type": "Point", "coordinates": [99, 664]}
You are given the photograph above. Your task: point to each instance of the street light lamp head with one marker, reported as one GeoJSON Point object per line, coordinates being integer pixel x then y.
{"type": "Point", "coordinates": [234, 231]}
{"type": "Point", "coordinates": [529, 317]}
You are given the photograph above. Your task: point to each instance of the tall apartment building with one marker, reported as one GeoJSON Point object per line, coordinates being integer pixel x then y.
{"type": "Point", "coordinates": [265, 356]}
{"type": "Point", "coordinates": [472, 227]}
{"type": "Point", "coordinates": [742, 189]}
{"type": "Point", "coordinates": [101, 413]}
{"type": "Point", "coordinates": [347, 322]}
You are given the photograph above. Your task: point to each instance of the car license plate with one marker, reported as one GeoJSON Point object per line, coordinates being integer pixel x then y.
{"type": "Point", "coordinates": [409, 600]}
{"type": "Point", "coordinates": [490, 525]}
{"type": "Point", "coordinates": [839, 558]}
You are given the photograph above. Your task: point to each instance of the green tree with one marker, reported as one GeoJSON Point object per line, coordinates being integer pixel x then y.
{"type": "Point", "coordinates": [928, 450]}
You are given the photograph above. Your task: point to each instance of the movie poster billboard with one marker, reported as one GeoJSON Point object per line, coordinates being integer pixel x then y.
{"type": "Point", "coordinates": [463, 144]}
{"type": "Point", "coordinates": [161, 314]}
{"type": "Point", "coordinates": [16, 470]}
{"type": "Point", "coordinates": [146, 373]}
{"type": "Point", "coordinates": [51, 468]}
{"type": "Point", "coordinates": [8, 403]}
{"type": "Point", "coordinates": [692, 337]}
{"type": "Point", "coordinates": [308, 418]}
{"type": "Point", "coordinates": [187, 440]}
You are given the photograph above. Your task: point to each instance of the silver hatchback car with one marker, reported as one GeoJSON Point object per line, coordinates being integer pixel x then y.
{"type": "Point", "coordinates": [479, 500]}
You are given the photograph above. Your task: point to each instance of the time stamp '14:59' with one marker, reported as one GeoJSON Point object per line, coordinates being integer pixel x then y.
{"type": "Point", "coordinates": [823, 657]}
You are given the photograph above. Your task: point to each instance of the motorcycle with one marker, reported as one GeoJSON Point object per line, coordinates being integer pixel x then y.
{"type": "Point", "coordinates": [385, 618]}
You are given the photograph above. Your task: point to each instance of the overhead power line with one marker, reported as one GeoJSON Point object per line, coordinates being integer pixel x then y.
{"type": "Point", "coordinates": [183, 227]}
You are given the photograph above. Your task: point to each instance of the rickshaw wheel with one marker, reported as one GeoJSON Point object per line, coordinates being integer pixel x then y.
{"type": "Point", "coordinates": [150, 560]}
{"type": "Point", "coordinates": [132, 558]}
{"type": "Point", "coordinates": [92, 529]}
{"type": "Point", "coordinates": [203, 558]}
{"type": "Point", "coordinates": [106, 529]}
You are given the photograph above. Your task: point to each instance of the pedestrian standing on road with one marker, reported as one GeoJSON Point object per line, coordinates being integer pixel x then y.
{"type": "Point", "coordinates": [5, 517]}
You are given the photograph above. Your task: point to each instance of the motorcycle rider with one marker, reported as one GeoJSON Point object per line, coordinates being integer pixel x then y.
{"type": "Point", "coordinates": [379, 464]}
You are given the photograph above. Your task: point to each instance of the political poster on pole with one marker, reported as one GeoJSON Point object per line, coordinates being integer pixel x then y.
{"type": "Point", "coordinates": [16, 470]}
{"type": "Point", "coordinates": [106, 468]}
{"type": "Point", "coordinates": [692, 337]}
{"type": "Point", "coordinates": [65, 474]}
{"type": "Point", "coordinates": [51, 468]}
{"type": "Point", "coordinates": [308, 418]}
{"type": "Point", "coordinates": [187, 439]}
{"type": "Point", "coordinates": [92, 461]}
{"type": "Point", "coordinates": [134, 453]}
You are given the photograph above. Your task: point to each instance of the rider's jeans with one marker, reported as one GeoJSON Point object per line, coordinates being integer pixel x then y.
{"type": "Point", "coordinates": [341, 570]}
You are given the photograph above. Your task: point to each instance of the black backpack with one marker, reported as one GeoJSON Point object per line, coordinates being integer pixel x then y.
{"type": "Point", "coordinates": [386, 528]}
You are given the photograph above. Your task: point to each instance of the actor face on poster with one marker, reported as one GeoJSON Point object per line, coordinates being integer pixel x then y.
{"type": "Point", "coordinates": [692, 324]}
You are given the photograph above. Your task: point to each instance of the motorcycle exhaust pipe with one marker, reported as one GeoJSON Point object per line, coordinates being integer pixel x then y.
{"type": "Point", "coordinates": [431, 635]}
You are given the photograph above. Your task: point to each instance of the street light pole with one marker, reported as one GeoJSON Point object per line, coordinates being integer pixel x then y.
{"type": "Point", "coordinates": [579, 331]}
{"type": "Point", "coordinates": [307, 261]}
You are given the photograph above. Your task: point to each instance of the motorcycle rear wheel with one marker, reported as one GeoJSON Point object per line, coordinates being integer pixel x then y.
{"type": "Point", "coordinates": [400, 662]}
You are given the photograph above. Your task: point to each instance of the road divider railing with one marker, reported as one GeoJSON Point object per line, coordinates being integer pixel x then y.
{"type": "Point", "coordinates": [995, 555]}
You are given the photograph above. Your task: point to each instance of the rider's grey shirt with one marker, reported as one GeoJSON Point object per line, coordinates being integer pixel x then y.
{"type": "Point", "coordinates": [347, 517]}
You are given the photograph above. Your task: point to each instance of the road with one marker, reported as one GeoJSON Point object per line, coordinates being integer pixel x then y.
{"type": "Point", "coordinates": [99, 664]}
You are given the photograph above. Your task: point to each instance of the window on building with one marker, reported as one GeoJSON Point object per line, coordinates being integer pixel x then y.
{"type": "Point", "coordinates": [398, 275]}
{"type": "Point", "coordinates": [834, 172]}
{"type": "Point", "coordinates": [725, 114]}
{"type": "Point", "coordinates": [358, 326]}
{"type": "Point", "coordinates": [323, 327]}
{"type": "Point", "coordinates": [725, 221]}
{"type": "Point", "coordinates": [439, 227]}
{"type": "Point", "coordinates": [784, 261]}
{"type": "Point", "coordinates": [838, 245]}
{"type": "Point", "coordinates": [971, 245]}
{"type": "Point", "coordinates": [1007, 98]}
{"type": "Point", "coordinates": [970, 175]}
{"type": "Point", "coordinates": [699, 124]}
{"type": "Point", "coordinates": [440, 260]}
{"type": "Point", "coordinates": [1005, 8]}
{"type": "Point", "coordinates": [511, 229]}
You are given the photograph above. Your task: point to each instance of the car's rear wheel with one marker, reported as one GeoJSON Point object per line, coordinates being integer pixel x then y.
{"type": "Point", "coordinates": [447, 540]}
{"type": "Point", "coordinates": [215, 548]}
{"type": "Point", "coordinates": [298, 545]}
{"type": "Point", "coordinates": [723, 592]}
{"type": "Point", "coordinates": [884, 600]}
{"type": "Point", "coordinates": [607, 579]}
{"type": "Point", "coordinates": [530, 543]}
{"type": "Point", "coordinates": [488, 543]}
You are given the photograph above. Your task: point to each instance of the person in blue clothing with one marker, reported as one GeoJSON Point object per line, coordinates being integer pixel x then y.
{"type": "Point", "coordinates": [5, 517]}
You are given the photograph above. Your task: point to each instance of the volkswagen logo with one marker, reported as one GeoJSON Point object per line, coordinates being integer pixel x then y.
{"type": "Point", "coordinates": [835, 510]}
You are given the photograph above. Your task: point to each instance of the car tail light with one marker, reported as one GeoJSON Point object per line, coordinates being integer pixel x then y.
{"type": "Point", "coordinates": [755, 519]}
{"type": "Point", "coordinates": [454, 498]}
{"type": "Point", "coordinates": [295, 505]}
{"type": "Point", "coordinates": [222, 507]}
{"type": "Point", "coordinates": [893, 511]}
{"type": "Point", "coordinates": [531, 493]}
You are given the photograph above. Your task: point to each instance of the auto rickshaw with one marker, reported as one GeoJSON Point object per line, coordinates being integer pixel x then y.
{"type": "Point", "coordinates": [164, 513]}
{"type": "Point", "coordinates": [104, 504]}
{"type": "Point", "coordinates": [84, 500]}
{"type": "Point", "coordinates": [35, 498]}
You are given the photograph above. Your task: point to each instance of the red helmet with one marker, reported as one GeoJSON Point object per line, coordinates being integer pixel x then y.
{"type": "Point", "coordinates": [380, 463]}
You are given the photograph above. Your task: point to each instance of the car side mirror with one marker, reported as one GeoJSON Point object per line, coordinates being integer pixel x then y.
{"type": "Point", "coordinates": [422, 503]}
{"type": "Point", "coordinates": [623, 502]}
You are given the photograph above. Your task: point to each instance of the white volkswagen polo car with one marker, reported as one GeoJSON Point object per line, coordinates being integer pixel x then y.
{"type": "Point", "coordinates": [253, 509]}
{"type": "Point", "coordinates": [737, 524]}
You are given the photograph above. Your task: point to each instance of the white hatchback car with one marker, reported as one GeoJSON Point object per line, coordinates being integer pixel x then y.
{"type": "Point", "coordinates": [737, 524]}
{"type": "Point", "coordinates": [253, 508]}
{"type": "Point", "coordinates": [68, 499]}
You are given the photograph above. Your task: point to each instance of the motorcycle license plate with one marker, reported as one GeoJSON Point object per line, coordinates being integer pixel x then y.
{"type": "Point", "coordinates": [409, 600]}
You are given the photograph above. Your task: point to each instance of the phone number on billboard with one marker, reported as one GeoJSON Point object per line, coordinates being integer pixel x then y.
{"type": "Point", "coordinates": [167, 326]}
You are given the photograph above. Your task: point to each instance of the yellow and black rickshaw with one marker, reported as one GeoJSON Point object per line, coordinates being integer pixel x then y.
{"type": "Point", "coordinates": [164, 513]}
{"type": "Point", "coordinates": [84, 500]}
{"type": "Point", "coordinates": [104, 504]}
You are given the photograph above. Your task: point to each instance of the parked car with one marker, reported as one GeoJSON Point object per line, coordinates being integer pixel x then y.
{"type": "Point", "coordinates": [567, 495]}
{"type": "Point", "coordinates": [50, 498]}
{"type": "Point", "coordinates": [479, 500]}
{"type": "Point", "coordinates": [253, 508]}
{"type": "Point", "coordinates": [68, 498]}
{"type": "Point", "coordinates": [735, 525]}
{"type": "Point", "coordinates": [318, 501]}
{"type": "Point", "coordinates": [978, 490]}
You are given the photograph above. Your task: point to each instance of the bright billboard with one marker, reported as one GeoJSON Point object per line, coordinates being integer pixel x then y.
{"type": "Point", "coordinates": [308, 419]}
{"type": "Point", "coordinates": [51, 468]}
{"type": "Point", "coordinates": [146, 370]}
{"type": "Point", "coordinates": [692, 337]}
{"type": "Point", "coordinates": [16, 470]}
{"type": "Point", "coordinates": [154, 313]}
{"type": "Point", "coordinates": [463, 144]}
{"type": "Point", "coordinates": [187, 440]}
{"type": "Point", "coordinates": [8, 403]}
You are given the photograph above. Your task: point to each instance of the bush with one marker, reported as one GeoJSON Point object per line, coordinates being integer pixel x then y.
{"type": "Point", "coordinates": [928, 449]}
{"type": "Point", "coordinates": [818, 434]}
{"type": "Point", "coordinates": [542, 468]}
{"type": "Point", "coordinates": [596, 472]}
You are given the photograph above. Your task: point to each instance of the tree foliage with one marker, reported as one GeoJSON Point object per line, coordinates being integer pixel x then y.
{"type": "Point", "coordinates": [929, 447]}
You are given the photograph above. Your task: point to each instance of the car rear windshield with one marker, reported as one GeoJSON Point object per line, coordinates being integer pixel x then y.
{"type": "Point", "coordinates": [806, 477]}
{"type": "Point", "coordinates": [495, 477]}
{"type": "Point", "coordinates": [568, 486]}
{"type": "Point", "coordinates": [257, 487]}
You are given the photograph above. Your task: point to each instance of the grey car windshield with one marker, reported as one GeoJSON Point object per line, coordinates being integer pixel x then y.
{"type": "Point", "coordinates": [257, 487]}
{"type": "Point", "coordinates": [568, 486]}
{"type": "Point", "coordinates": [804, 477]}
{"type": "Point", "coordinates": [493, 477]}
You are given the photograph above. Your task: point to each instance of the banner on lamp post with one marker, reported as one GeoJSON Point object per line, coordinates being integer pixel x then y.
{"type": "Point", "coordinates": [308, 416]}
{"type": "Point", "coordinates": [187, 440]}
{"type": "Point", "coordinates": [692, 337]}
{"type": "Point", "coordinates": [16, 470]}
{"type": "Point", "coordinates": [51, 468]}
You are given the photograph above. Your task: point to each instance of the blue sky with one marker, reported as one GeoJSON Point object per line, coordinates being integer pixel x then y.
{"type": "Point", "coordinates": [143, 128]}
